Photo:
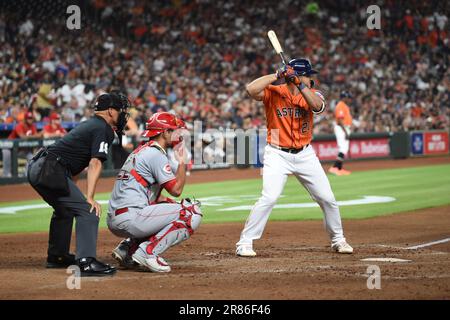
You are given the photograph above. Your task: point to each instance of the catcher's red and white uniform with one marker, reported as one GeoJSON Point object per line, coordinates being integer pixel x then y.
{"type": "Point", "coordinates": [134, 212]}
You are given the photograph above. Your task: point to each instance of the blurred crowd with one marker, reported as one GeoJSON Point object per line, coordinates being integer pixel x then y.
{"type": "Point", "coordinates": [195, 57]}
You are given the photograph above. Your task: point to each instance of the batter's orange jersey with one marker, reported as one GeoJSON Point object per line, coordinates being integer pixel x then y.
{"type": "Point", "coordinates": [289, 118]}
{"type": "Point", "coordinates": [342, 111]}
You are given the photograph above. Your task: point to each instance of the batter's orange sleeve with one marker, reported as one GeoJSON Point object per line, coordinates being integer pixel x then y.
{"type": "Point", "coordinates": [267, 96]}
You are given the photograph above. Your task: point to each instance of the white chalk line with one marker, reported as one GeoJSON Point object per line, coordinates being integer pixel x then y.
{"type": "Point", "coordinates": [428, 244]}
{"type": "Point", "coordinates": [364, 246]}
{"type": "Point", "coordinates": [440, 276]}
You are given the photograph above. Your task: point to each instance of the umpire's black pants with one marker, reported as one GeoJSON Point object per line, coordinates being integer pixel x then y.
{"type": "Point", "coordinates": [66, 208]}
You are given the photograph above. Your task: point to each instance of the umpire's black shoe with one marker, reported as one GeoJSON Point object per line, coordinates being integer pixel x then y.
{"type": "Point", "coordinates": [91, 267]}
{"type": "Point", "coordinates": [57, 262]}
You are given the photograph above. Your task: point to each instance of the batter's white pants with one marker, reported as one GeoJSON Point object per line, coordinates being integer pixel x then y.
{"type": "Point", "coordinates": [306, 167]}
{"type": "Point", "coordinates": [342, 142]}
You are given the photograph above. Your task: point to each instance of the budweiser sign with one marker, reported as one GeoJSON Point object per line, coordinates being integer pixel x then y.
{"type": "Point", "coordinates": [364, 148]}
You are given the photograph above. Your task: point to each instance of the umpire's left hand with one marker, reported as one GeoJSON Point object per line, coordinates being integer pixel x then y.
{"type": "Point", "coordinates": [95, 206]}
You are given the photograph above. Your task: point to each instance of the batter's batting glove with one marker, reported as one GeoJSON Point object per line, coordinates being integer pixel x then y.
{"type": "Point", "coordinates": [293, 79]}
{"type": "Point", "coordinates": [285, 71]}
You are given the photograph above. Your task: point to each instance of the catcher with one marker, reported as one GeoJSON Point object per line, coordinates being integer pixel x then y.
{"type": "Point", "coordinates": [137, 211]}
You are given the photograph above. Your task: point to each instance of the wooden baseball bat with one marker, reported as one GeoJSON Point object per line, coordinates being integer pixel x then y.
{"type": "Point", "coordinates": [276, 45]}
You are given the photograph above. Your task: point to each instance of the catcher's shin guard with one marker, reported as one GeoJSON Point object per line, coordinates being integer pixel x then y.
{"type": "Point", "coordinates": [177, 231]}
{"type": "Point", "coordinates": [171, 235]}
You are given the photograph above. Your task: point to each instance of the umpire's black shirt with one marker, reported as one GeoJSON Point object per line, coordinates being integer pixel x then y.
{"type": "Point", "coordinates": [90, 139]}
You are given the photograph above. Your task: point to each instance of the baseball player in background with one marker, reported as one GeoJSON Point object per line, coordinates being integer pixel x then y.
{"type": "Point", "coordinates": [137, 211]}
{"type": "Point", "coordinates": [289, 112]}
{"type": "Point", "coordinates": [342, 127]}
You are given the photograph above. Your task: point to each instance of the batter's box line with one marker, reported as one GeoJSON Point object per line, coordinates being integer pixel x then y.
{"type": "Point", "coordinates": [415, 247]}
{"type": "Point", "coordinates": [384, 277]}
{"type": "Point", "coordinates": [375, 245]}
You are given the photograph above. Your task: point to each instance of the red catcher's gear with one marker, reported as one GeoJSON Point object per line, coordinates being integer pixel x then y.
{"type": "Point", "coordinates": [162, 121]}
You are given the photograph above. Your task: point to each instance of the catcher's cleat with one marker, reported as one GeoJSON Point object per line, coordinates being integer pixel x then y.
{"type": "Point", "coordinates": [122, 254]}
{"type": "Point", "coordinates": [245, 251]}
{"type": "Point", "coordinates": [59, 262]}
{"type": "Point", "coordinates": [342, 247]}
{"type": "Point", "coordinates": [151, 263]}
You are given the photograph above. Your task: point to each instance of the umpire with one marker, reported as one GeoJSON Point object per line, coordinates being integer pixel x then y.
{"type": "Point", "coordinates": [52, 173]}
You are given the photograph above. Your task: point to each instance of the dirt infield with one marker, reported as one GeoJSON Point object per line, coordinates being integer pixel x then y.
{"type": "Point", "coordinates": [294, 262]}
{"type": "Point", "coordinates": [294, 259]}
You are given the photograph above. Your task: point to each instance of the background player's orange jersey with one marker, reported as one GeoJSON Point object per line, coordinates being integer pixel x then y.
{"type": "Point", "coordinates": [289, 118]}
{"type": "Point", "coordinates": [342, 111]}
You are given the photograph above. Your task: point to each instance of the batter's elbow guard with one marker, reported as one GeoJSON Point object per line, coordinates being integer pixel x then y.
{"type": "Point", "coordinates": [322, 108]}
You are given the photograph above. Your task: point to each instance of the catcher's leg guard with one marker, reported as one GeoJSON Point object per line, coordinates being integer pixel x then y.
{"type": "Point", "coordinates": [177, 231]}
{"type": "Point", "coordinates": [171, 235]}
{"type": "Point", "coordinates": [191, 214]}
{"type": "Point", "coordinates": [147, 255]}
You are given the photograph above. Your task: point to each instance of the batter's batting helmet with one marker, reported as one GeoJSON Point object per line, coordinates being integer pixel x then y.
{"type": "Point", "coordinates": [302, 67]}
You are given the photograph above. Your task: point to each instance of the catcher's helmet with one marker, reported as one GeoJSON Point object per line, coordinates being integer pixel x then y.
{"type": "Point", "coordinates": [180, 123]}
{"type": "Point", "coordinates": [302, 67]}
{"type": "Point", "coordinates": [345, 94]}
{"type": "Point", "coordinates": [160, 122]}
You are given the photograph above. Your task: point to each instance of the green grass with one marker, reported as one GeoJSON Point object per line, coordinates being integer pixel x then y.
{"type": "Point", "coordinates": [414, 188]}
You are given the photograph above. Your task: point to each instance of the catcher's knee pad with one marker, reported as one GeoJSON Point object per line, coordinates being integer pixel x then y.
{"type": "Point", "coordinates": [191, 214]}
{"type": "Point", "coordinates": [195, 221]}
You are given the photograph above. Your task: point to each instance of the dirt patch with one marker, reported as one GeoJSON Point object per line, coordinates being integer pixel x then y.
{"type": "Point", "coordinates": [294, 262]}
{"type": "Point", "coordinates": [21, 192]}
{"type": "Point", "coordinates": [294, 259]}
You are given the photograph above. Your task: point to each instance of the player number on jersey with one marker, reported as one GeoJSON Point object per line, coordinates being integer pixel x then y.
{"type": "Point", "coordinates": [103, 148]}
{"type": "Point", "coordinates": [305, 126]}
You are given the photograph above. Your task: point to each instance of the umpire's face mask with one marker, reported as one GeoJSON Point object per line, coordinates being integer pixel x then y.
{"type": "Point", "coordinates": [122, 104]}
{"type": "Point", "coordinates": [122, 121]}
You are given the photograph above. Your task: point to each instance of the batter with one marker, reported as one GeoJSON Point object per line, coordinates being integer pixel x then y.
{"type": "Point", "coordinates": [289, 112]}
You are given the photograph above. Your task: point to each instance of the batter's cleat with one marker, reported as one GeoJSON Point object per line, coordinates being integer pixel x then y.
{"type": "Point", "coordinates": [59, 262]}
{"type": "Point", "coordinates": [151, 263]}
{"type": "Point", "coordinates": [91, 267]}
{"type": "Point", "coordinates": [245, 251]}
{"type": "Point", "coordinates": [342, 247]}
{"type": "Point", "coordinates": [122, 254]}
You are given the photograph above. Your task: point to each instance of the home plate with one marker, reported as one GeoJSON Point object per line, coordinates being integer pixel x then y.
{"type": "Point", "coordinates": [386, 260]}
